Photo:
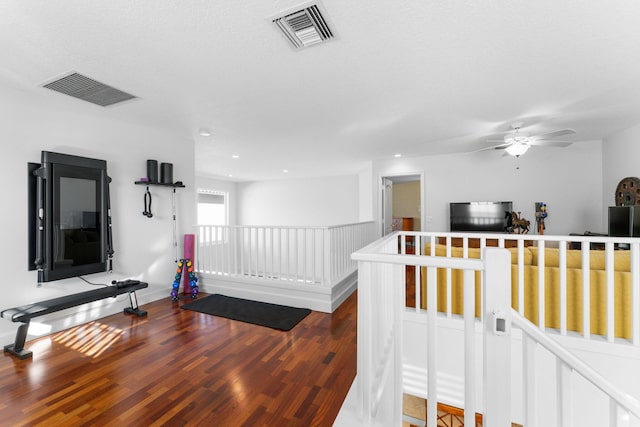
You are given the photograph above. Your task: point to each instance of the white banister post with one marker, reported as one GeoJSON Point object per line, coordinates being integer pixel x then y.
{"type": "Point", "coordinates": [565, 394]}
{"type": "Point", "coordinates": [562, 263]}
{"type": "Point", "coordinates": [496, 309]}
{"type": "Point", "coordinates": [541, 287]}
{"type": "Point", "coordinates": [432, 343]}
{"type": "Point", "coordinates": [609, 271]}
{"type": "Point", "coordinates": [469, 347]}
{"type": "Point", "coordinates": [530, 401]}
{"type": "Point", "coordinates": [364, 339]}
{"type": "Point", "coordinates": [398, 301]}
{"type": "Point", "coordinates": [586, 290]}
{"type": "Point", "coordinates": [618, 416]}
{"type": "Point", "coordinates": [326, 257]}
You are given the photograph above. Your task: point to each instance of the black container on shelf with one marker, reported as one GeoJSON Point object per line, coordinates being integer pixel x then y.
{"type": "Point", "coordinates": [166, 173]}
{"type": "Point", "coordinates": [152, 170]}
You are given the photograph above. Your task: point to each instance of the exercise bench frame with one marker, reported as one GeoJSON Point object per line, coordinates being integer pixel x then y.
{"type": "Point", "coordinates": [25, 313]}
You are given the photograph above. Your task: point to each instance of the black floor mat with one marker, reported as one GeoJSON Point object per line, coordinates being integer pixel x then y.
{"type": "Point", "coordinates": [259, 313]}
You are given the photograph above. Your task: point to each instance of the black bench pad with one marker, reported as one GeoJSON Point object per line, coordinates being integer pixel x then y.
{"type": "Point", "coordinates": [29, 311]}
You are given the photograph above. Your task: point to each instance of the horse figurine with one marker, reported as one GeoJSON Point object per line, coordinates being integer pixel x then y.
{"type": "Point", "coordinates": [520, 225]}
{"type": "Point", "coordinates": [515, 223]}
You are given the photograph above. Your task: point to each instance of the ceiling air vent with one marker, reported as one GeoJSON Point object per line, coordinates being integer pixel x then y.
{"type": "Point", "coordinates": [304, 27]}
{"type": "Point", "coordinates": [87, 89]}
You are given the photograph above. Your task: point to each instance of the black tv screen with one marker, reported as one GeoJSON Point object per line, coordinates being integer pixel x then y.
{"type": "Point", "coordinates": [70, 229]}
{"type": "Point", "coordinates": [488, 217]}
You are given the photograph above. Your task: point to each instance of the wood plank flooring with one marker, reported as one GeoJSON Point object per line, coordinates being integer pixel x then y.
{"type": "Point", "coordinates": [182, 368]}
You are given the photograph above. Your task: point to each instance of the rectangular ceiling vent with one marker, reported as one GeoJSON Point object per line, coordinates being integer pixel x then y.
{"type": "Point", "coordinates": [88, 89]}
{"type": "Point", "coordinates": [305, 27]}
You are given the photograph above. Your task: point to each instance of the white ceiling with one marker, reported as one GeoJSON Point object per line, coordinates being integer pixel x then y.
{"type": "Point", "coordinates": [413, 77]}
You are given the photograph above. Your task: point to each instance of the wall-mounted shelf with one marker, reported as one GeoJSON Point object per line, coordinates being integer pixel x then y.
{"type": "Point", "coordinates": [161, 184]}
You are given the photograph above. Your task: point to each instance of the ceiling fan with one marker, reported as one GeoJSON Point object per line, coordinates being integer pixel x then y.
{"type": "Point", "coordinates": [516, 143]}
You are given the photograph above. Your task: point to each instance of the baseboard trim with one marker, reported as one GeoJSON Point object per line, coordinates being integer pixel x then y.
{"type": "Point", "coordinates": [314, 297]}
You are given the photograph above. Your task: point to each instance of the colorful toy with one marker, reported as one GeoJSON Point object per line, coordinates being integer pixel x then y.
{"type": "Point", "coordinates": [190, 277]}
{"type": "Point", "coordinates": [541, 214]}
{"type": "Point", "coordinates": [186, 265]}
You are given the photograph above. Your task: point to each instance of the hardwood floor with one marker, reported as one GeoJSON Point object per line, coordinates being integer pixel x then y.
{"type": "Point", "coordinates": [182, 368]}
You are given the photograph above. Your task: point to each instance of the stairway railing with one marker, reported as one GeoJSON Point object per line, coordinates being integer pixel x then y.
{"type": "Point", "coordinates": [379, 379]}
{"type": "Point", "coordinates": [616, 278]}
{"type": "Point", "coordinates": [621, 405]}
{"type": "Point", "coordinates": [383, 328]}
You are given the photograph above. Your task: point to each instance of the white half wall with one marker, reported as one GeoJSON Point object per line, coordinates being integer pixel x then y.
{"type": "Point", "coordinates": [322, 201]}
{"type": "Point", "coordinates": [569, 180]}
{"type": "Point", "coordinates": [143, 246]}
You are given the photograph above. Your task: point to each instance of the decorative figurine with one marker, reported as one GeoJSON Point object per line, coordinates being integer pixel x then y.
{"type": "Point", "coordinates": [541, 214]}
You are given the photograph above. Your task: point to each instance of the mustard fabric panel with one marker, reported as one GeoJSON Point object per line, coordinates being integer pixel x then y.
{"type": "Point", "coordinates": [597, 297]}
{"type": "Point", "coordinates": [597, 300]}
{"type": "Point", "coordinates": [597, 259]}
{"type": "Point", "coordinates": [457, 290]}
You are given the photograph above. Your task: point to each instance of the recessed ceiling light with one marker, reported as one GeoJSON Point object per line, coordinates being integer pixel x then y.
{"type": "Point", "coordinates": [204, 132]}
{"type": "Point", "coordinates": [235, 156]}
{"type": "Point", "coordinates": [285, 170]}
{"type": "Point", "coordinates": [397, 155]}
{"type": "Point", "coordinates": [230, 176]}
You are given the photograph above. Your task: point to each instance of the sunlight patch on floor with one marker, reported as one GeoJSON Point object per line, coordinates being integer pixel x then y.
{"type": "Point", "coordinates": [91, 339]}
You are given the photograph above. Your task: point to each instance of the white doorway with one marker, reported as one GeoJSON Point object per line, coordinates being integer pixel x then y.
{"type": "Point", "coordinates": [401, 201]}
{"type": "Point", "coordinates": [387, 206]}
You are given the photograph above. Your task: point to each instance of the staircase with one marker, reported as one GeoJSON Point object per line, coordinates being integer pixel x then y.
{"type": "Point", "coordinates": [499, 364]}
{"type": "Point", "coordinates": [414, 414]}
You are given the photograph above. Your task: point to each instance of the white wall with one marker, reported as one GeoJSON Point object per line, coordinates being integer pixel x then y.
{"type": "Point", "coordinates": [621, 159]}
{"type": "Point", "coordinates": [230, 187]}
{"type": "Point", "coordinates": [569, 180]}
{"type": "Point", "coordinates": [366, 193]}
{"type": "Point", "coordinates": [143, 246]}
{"type": "Point", "coordinates": [300, 202]}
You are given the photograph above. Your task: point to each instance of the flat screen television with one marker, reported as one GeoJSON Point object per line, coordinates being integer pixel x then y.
{"type": "Point", "coordinates": [488, 217]}
{"type": "Point", "coordinates": [69, 219]}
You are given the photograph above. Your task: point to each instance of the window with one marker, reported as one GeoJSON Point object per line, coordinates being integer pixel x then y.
{"type": "Point", "coordinates": [212, 207]}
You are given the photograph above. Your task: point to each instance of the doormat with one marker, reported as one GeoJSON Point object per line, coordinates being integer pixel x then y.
{"type": "Point", "coordinates": [258, 313]}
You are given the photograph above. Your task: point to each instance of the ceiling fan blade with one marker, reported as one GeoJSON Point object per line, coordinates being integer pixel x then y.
{"type": "Point", "coordinates": [561, 132]}
{"type": "Point", "coordinates": [550, 143]}
{"type": "Point", "coordinates": [491, 147]}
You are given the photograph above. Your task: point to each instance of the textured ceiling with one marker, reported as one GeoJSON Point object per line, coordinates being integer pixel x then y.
{"type": "Point", "coordinates": [412, 77]}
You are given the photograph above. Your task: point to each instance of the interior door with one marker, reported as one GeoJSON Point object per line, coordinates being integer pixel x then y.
{"type": "Point", "coordinates": [387, 206]}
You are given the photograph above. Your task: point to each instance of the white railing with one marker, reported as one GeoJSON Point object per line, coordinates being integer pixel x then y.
{"type": "Point", "coordinates": [308, 255]}
{"type": "Point", "coordinates": [385, 331]}
{"type": "Point", "coordinates": [381, 301]}
{"type": "Point", "coordinates": [594, 290]}
{"type": "Point", "coordinates": [621, 405]}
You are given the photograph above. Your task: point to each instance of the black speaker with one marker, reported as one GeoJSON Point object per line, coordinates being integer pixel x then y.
{"type": "Point", "coordinates": [166, 173]}
{"type": "Point", "coordinates": [152, 170]}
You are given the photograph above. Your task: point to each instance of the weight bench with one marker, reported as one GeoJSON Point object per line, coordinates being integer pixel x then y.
{"type": "Point", "coordinates": [25, 313]}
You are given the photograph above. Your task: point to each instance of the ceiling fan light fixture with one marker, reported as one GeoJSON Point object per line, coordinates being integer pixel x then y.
{"type": "Point", "coordinates": [517, 149]}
